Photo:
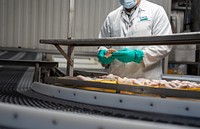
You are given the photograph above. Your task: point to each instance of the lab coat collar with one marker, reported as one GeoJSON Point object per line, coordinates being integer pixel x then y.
{"type": "Point", "coordinates": [142, 6]}
{"type": "Point", "coordinates": [124, 16]}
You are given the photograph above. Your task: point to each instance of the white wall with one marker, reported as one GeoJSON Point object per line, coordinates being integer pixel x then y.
{"type": "Point", "coordinates": [24, 22]}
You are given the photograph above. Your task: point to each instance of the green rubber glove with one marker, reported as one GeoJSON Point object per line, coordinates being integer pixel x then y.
{"type": "Point", "coordinates": [103, 59]}
{"type": "Point", "coordinates": [127, 55]}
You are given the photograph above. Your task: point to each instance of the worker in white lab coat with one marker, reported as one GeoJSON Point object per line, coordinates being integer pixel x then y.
{"type": "Point", "coordinates": [136, 18]}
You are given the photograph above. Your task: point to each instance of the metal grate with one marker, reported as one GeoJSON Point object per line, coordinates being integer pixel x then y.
{"type": "Point", "coordinates": [12, 54]}
{"type": "Point", "coordinates": [29, 56]}
{"type": "Point", "coordinates": [8, 55]}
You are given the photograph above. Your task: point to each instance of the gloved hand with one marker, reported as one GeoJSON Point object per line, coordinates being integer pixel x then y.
{"type": "Point", "coordinates": [103, 59]}
{"type": "Point", "coordinates": [127, 55]}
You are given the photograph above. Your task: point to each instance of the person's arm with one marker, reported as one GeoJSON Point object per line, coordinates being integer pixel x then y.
{"type": "Point", "coordinates": [161, 26]}
{"type": "Point", "coordinates": [105, 32]}
{"type": "Point", "coordinates": [104, 50]}
{"type": "Point", "coordinates": [105, 29]}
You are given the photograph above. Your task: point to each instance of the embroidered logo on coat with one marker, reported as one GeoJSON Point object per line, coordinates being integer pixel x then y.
{"type": "Point", "coordinates": [144, 18]}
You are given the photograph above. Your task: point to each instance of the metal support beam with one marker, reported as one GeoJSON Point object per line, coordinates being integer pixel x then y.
{"type": "Point", "coordinates": [70, 66]}
{"type": "Point", "coordinates": [37, 73]}
{"type": "Point", "coordinates": [165, 64]}
{"type": "Point", "coordinates": [68, 57]}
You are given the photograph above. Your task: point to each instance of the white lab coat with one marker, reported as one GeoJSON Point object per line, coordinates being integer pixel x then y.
{"type": "Point", "coordinates": [148, 19]}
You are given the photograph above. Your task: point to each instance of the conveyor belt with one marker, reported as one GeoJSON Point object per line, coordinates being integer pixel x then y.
{"type": "Point", "coordinates": [9, 94]}
{"type": "Point", "coordinates": [15, 85]}
{"type": "Point", "coordinates": [30, 98]}
{"type": "Point", "coordinates": [15, 82]}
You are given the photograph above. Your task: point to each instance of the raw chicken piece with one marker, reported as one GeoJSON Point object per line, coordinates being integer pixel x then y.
{"type": "Point", "coordinates": [163, 83]}
{"type": "Point", "coordinates": [175, 84]}
{"type": "Point", "coordinates": [144, 82]}
{"type": "Point", "coordinates": [83, 78]}
{"type": "Point", "coordinates": [155, 83]}
{"type": "Point", "coordinates": [193, 85]}
{"type": "Point", "coordinates": [183, 85]}
{"type": "Point", "coordinates": [124, 81]}
{"type": "Point", "coordinates": [167, 85]}
{"type": "Point", "coordinates": [109, 77]}
{"type": "Point", "coordinates": [137, 82]}
{"type": "Point", "coordinates": [133, 81]}
{"type": "Point", "coordinates": [176, 81]}
{"type": "Point", "coordinates": [109, 52]}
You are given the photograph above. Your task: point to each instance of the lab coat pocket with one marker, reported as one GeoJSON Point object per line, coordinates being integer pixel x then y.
{"type": "Point", "coordinates": [143, 28]}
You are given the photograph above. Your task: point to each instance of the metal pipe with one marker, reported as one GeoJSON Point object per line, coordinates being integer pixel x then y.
{"type": "Point", "coordinates": [175, 39]}
{"type": "Point", "coordinates": [70, 52]}
{"type": "Point", "coordinates": [71, 18]}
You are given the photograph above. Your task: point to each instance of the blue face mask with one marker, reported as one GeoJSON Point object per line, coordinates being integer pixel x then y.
{"type": "Point", "coordinates": [128, 3]}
